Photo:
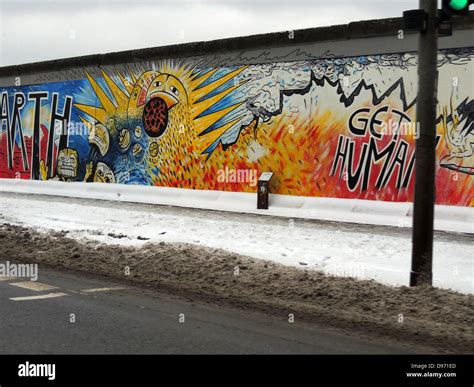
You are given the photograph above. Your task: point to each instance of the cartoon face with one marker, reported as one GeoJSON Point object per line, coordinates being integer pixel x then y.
{"type": "Point", "coordinates": [319, 71]}
{"type": "Point", "coordinates": [138, 131]}
{"type": "Point", "coordinates": [124, 139]}
{"type": "Point", "coordinates": [103, 174]}
{"type": "Point", "coordinates": [138, 152]}
{"type": "Point", "coordinates": [167, 87]}
{"type": "Point", "coordinates": [67, 163]}
{"type": "Point", "coordinates": [165, 92]}
{"type": "Point", "coordinates": [153, 149]}
{"type": "Point", "coordinates": [331, 73]}
{"type": "Point", "coordinates": [99, 136]}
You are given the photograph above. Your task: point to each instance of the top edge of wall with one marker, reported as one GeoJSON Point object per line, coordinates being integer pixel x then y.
{"type": "Point", "coordinates": [353, 30]}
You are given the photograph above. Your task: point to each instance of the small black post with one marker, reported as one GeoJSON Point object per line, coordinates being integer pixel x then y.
{"type": "Point", "coordinates": [263, 190]}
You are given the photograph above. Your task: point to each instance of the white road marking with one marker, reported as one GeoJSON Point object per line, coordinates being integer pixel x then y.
{"type": "Point", "coordinates": [36, 286]}
{"type": "Point", "coordinates": [40, 297]}
{"type": "Point", "coordinates": [6, 278]}
{"type": "Point", "coordinates": [95, 290]}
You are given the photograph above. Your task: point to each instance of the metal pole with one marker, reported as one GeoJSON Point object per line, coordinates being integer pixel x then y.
{"type": "Point", "coordinates": [423, 206]}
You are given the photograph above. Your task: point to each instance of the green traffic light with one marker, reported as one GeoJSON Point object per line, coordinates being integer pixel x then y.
{"type": "Point", "coordinates": [459, 5]}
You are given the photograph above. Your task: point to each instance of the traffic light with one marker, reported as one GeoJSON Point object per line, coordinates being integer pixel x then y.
{"type": "Point", "coordinates": [456, 7]}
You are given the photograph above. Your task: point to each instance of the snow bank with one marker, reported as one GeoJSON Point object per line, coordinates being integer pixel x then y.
{"type": "Point", "coordinates": [339, 249]}
{"type": "Point", "coordinates": [447, 218]}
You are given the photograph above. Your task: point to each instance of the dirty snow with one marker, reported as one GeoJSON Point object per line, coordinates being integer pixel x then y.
{"type": "Point", "coordinates": [365, 252]}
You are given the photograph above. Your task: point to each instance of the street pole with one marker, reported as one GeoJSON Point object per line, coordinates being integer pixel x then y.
{"type": "Point", "coordinates": [423, 206]}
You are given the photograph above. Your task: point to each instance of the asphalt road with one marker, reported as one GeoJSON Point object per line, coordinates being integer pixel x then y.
{"type": "Point", "coordinates": [126, 319]}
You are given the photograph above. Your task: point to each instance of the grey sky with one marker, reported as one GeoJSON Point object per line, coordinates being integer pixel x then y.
{"type": "Point", "coordinates": [35, 30]}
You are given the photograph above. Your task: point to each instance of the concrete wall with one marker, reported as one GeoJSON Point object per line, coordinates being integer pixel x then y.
{"type": "Point", "coordinates": [329, 110]}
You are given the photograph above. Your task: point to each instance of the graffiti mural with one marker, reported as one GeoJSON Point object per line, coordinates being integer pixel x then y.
{"type": "Point", "coordinates": [331, 127]}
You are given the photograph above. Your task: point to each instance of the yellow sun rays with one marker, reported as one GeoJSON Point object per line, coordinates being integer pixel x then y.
{"type": "Point", "coordinates": [197, 85]}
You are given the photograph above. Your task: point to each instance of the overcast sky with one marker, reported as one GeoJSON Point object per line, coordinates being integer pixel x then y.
{"type": "Point", "coordinates": [36, 30]}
